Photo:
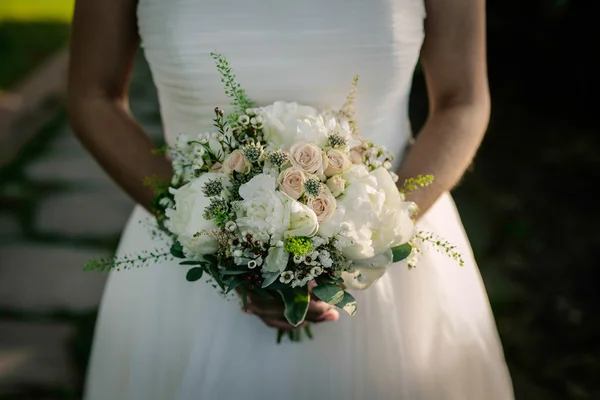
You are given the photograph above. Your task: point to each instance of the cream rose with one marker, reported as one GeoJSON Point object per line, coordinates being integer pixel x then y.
{"type": "Point", "coordinates": [309, 158]}
{"type": "Point", "coordinates": [337, 162]}
{"type": "Point", "coordinates": [291, 182]}
{"type": "Point", "coordinates": [236, 161]}
{"type": "Point", "coordinates": [324, 205]}
{"type": "Point", "coordinates": [336, 185]}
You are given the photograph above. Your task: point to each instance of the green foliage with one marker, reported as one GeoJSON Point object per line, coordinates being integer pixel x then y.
{"type": "Point", "coordinates": [177, 250]}
{"type": "Point", "coordinates": [296, 304]}
{"type": "Point", "coordinates": [194, 274]}
{"type": "Point", "coordinates": [240, 101]}
{"type": "Point", "coordinates": [442, 246]}
{"type": "Point", "coordinates": [126, 262]}
{"type": "Point", "coordinates": [348, 304]}
{"type": "Point", "coordinates": [331, 294]}
{"type": "Point", "coordinates": [401, 252]}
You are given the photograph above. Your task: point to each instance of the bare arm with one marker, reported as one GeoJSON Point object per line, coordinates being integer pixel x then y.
{"type": "Point", "coordinates": [454, 61]}
{"type": "Point", "coordinates": [103, 45]}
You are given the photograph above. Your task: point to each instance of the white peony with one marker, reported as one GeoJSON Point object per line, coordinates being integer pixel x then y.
{"type": "Point", "coordinates": [287, 123]}
{"type": "Point", "coordinates": [186, 218]}
{"type": "Point", "coordinates": [263, 208]}
{"type": "Point", "coordinates": [377, 219]}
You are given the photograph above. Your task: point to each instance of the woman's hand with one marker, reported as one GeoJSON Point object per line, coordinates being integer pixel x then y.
{"type": "Point", "coordinates": [270, 311]}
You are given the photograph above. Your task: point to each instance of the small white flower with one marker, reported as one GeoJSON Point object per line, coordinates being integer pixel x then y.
{"type": "Point", "coordinates": [238, 253]}
{"type": "Point", "coordinates": [316, 271]}
{"type": "Point", "coordinates": [252, 264]}
{"type": "Point", "coordinates": [250, 111]}
{"type": "Point", "coordinates": [230, 226]}
{"type": "Point", "coordinates": [253, 121]}
{"type": "Point", "coordinates": [387, 165]}
{"type": "Point", "coordinates": [344, 227]}
{"type": "Point", "coordinates": [286, 277]}
{"type": "Point", "coordinates": [259, 119]}
{"type": "Point", "coordinates": [271, 231]}
{"type": "Point", "coordinates": [298, 260]}
{"type": "Point", "coordinates": [214, 135]}
{"type": "Point", "coordinates": [220, 138]}
{"type": "Point", "coordinates": [318, 241]}
{"type": "Point", "coordinates": [204, 140]}
{"type": "Point", "coordinates": [244, 119]}
{"type": "Point", "coordinates": [279, 243]}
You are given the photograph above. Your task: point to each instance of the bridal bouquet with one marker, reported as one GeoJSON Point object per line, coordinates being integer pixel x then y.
{"type": "Point", "coordinates": [282, 195]}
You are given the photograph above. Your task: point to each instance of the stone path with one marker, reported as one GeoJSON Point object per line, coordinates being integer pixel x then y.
{"type": "Point", "coordinates": [58, 209]}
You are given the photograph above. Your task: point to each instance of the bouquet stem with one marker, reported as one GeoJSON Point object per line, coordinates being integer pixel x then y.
{"type": "Point", "coordinates": [295, 335]}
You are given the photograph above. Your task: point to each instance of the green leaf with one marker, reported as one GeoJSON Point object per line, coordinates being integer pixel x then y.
{"type": "Point", "coordinates": [233, 272]}
{"type": "Point", "coordinates": [211, 259]}
{"type": "Point", "coordinates": [193, 263]}
{"type": "Point", "coordinates": [401, 252]}
{"type": "Point", "coordinates": [348, 304]}
{"type": "Point", "coordinates": [308, 331]}
{"type": "Point", "coordinates": [177, 250]}
{"type": "Point", "coordinates": [214, 272]}
{"type": "Point", "coordinates": [280, 333]}
{"type": "Point", "coordinates": [296, 304]}
{"type": "Point", "coordinates": [331, 294]}
{"type": "Point", "coordinates": [269, 278]}
{"type": "Point", "coordinates": [194, 274]}
{"type": "Point", "coordinates": [235, 282]}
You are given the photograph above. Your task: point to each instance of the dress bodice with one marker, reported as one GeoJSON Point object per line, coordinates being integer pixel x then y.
{"type": "Point", "coordinates": [306, 51]}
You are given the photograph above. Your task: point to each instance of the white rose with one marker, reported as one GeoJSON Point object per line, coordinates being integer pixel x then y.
{"type": "Point", "coordinates": [236, 161]}
{"type": "Point", "coordinates": [287, 123]}
{"type": "Point", "coordinates": [186, 218]}
{"type": "Point", "coordinates": [291, 182]}
{"type": "Point", "coordinates": [337, 162]}
{"type": "Point", "coordinates": [324, 205]}
{"type": "Point", "coordinates": [336, 185]}
{"type": "Point", "coordinates": [263, 208]}
{"type": "Point", "coordinates": [303, 220]}
{"type": "Point", "coordinates": [309, 158]}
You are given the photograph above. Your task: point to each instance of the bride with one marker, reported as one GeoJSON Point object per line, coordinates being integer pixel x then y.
{"type": "Point", "coordinates": [426, 333]}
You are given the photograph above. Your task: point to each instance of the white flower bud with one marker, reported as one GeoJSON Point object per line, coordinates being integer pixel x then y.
{"type": "Point", "coordinates": [238, 253]}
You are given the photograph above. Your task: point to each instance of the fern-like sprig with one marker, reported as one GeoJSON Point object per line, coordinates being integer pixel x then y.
{"type": "Point", "coordinates": [442, 246]}
{"type": "Point", "coordinates": [128, 261]}
{"type": "Point", "coordinates": [240, 101]}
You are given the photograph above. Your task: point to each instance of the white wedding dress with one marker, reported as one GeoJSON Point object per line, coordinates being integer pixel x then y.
{"type": "Point", "coordinates": [426, 333]}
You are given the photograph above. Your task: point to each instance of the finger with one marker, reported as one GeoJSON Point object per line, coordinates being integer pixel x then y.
{"type": "Point", "coordinates": [330, 316]}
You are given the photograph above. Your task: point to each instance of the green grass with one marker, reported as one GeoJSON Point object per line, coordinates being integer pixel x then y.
{"type": "Point", "coordinates": [36, 10]}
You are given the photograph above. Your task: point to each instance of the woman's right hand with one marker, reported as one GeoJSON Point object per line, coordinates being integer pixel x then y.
{"type": "Point", "coordinates": [270, 311]}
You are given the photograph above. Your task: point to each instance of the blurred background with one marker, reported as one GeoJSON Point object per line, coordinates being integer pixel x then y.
{"type": "Point", "coordinates": [526, 201]}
